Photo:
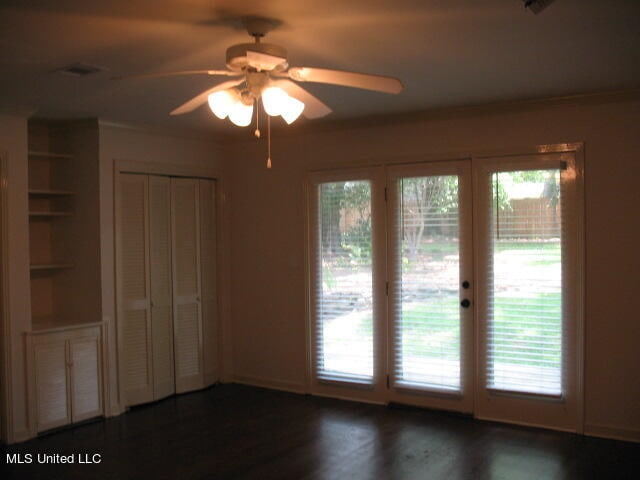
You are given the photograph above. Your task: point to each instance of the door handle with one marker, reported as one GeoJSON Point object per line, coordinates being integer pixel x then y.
{"type": "Point", "coordinates": [465, 303]}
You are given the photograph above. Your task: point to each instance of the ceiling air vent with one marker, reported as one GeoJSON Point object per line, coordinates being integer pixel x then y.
{"type": "Point", "coordinates": [80, 69]}
{"type": "Point", "coordinates": [536, 6]}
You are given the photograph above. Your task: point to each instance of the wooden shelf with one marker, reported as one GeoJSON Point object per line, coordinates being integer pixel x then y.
{"type": "Point", "coordinates": [65, 156]}
{"type": "Point", "coordinates": [51, 266]}
{"type": "Point", "coordinates": [50, 214]}
{"type": "Point", "coordinates": [57, 323]}
{"type": "Point", "coordinates": [47, 192]}
{"type": "Point", "coordinates": [63, 205]}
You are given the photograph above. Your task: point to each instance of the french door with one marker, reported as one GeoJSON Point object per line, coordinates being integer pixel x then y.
{"type": "Point", "coordinates": [348, 286]}
{"type": "Point", "coordinates": [527, 277]}
{"type": "Point", "coordinates": [450, 285]}
{"type": "Point", "coordinates": [430, 320]}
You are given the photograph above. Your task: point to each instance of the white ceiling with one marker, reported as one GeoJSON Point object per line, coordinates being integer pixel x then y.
{"type": "Point", "coordinates": [446, 52]}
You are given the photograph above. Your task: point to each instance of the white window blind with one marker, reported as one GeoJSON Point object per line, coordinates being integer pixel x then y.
{"type": "Point", "coordinates": [344, 286]}
{"type": "Point", "coordinates": [427, 278]}
{"type": "Point", "coordinates": [525, 308]}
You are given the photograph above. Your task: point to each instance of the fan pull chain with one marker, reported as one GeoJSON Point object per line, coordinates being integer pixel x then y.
{"type": "Point", "coordinates": [268, 141]}
{"type": "Point", "coordinates": [257, 132]}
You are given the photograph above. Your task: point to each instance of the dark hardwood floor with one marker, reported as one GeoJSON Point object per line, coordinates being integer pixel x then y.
{"type": "Point", "coordinates": [235, 431]}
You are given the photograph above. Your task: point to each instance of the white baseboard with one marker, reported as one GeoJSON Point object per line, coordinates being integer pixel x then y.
{"type": "Point", "coordinates": [347, 398]}
{"type": "Point", "coordinates": [271, 383]}
{"type": "Point", "coordinates": [114, 410]}
{"type": "Point", "coordinates": [20, 436]}
{"type": "Point", "coordinates": [614, 433]}
{"type": "Point", "coordinates": [293, 387]}
{"type": "Point", "coordinates": [523, 424]}
{"type": "Point", "coordinates": [210, 379]}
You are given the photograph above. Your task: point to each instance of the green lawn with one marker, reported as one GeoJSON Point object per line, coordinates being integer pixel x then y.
{"type": "Point", "coordinates": [529, 323]}
{"type": "Point", "coordinates": [432, 328]}
{"type": "Point", "coordinates": [438, 250]}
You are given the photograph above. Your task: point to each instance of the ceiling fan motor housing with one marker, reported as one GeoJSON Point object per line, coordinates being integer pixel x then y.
{"type": "Point", "coordinates": [268, 55]}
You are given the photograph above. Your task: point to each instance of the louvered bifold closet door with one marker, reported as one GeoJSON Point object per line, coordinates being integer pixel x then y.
{"type": "Point", "coordinates": [209, 287]}
{"type": "Point", "coordinates": [160, 267]}
{"type": "Point", "coordinates": [134, 315]}
{"type": "Point", "coordinates": [187, 314]}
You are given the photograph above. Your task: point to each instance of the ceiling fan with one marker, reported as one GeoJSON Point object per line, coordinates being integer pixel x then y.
{"type": "Point", "coordinates": [261, 72]}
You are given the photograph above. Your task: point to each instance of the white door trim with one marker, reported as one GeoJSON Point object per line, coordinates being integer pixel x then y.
{"type": "Point", "coordinates": [6, 417]}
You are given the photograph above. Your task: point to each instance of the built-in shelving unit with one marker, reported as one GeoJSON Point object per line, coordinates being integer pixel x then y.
{"type": "Point", "coordinates": [51, 266]}
{"type": "Point", "coordinates": [50, 217]}
{"type": "Point", "coordinates": [65, 342]}
{"type": "Point", "coordinates": [63, 225]}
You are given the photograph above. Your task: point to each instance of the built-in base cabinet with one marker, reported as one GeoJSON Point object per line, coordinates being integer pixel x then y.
{"type": "Point", "coordinates": [63, 344]}
{"type": "Point", "coordinates": [65, 368]}
{"type": "Point", "coordinates": [166, 322]}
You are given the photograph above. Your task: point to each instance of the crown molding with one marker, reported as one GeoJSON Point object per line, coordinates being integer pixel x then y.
{"type": "Point", "coordinates": [491, 108]}
{"type": "Point", "coordinates": [187, 134]}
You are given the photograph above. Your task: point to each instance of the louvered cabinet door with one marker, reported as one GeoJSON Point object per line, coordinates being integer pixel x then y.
{"type": "Point", "coordinates": [134, 330]}
{"type": "Point", "coordinates": [85, 378]}
{"type": "Point", "coordinates": [187, 317]}
{"type": "Point", "coordinates": [208, 276]}
{"type": "Point", "coordinates": [52, 395]}
{"type": "Point", "coordinates": [160, 267]}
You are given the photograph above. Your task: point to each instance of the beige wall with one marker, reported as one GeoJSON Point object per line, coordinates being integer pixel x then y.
{"type": "Point", "coordinates": [268, 224]}
{"type": "Point", "coordinates": [130, 144]}
{"type": "Point", "coordinates": [13, 144]}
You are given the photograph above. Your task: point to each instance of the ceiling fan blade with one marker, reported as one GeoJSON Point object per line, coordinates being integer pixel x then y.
{"type": "Point", "coordinates": [226, 73]}
{"type": "Point", "coordinates": [365, 81]}
{"type": "Point", "coordinates": [313, 108]}
{"type": "Point", "coordinates": [198, 100]}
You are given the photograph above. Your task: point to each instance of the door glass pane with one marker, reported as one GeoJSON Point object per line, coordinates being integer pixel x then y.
{"type": "Point", "coordinates": [344, 316]}
{"type": "Point", "coordinates": [427, 273]}
{"type": "Point", "coordinates": [525, 283]}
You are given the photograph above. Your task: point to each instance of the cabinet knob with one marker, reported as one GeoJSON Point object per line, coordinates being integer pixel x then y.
{"type": "Point", "coordinates": [465, 303]}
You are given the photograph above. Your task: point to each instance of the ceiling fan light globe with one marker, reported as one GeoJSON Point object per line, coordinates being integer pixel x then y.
{"type": "Point", "coordinates": [221, 103]}
{"type": "Point", "coordinates": [241, 114]}
{"type": "Point", "coordinates": [274, 100]}
{"type": "Point", "coordinates": [292, 110]}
